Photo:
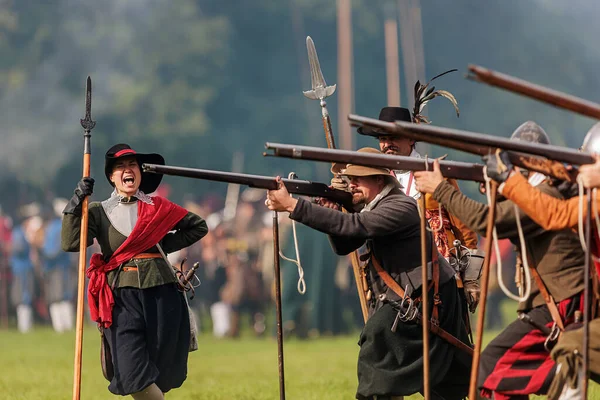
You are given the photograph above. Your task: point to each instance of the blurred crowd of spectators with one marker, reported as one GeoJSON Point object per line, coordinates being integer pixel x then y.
{"type": "Point", "coordinates": [235, 288]}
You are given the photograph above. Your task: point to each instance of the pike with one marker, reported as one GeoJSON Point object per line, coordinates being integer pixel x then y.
{"type": "Point", "coordinates": [450, 169]}
{"type": "Point", "coordinates": [544, 158]}
{"type": "Point", "coordinates": [320, 91]}
{"type": "Point", "coordinates": [534, 91]}
{"type": "Point", "coordinates": [87, 124]}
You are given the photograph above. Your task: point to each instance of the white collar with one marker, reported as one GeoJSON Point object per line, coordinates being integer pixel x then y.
{"type": "Point", "coordinates": [387, 189]}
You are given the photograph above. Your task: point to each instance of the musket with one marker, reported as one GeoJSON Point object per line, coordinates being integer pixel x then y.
{"type": "Point", "coordinates": [534, 91]}
{"type": "Point", "coordinates": [320, 91]}
{"type": "Point", "coordinates": [295, 186]}
{"type": "Point", "coordinates": [544, 158]}
{"type": "Point", "coordinates": [87, 124]}
{"type": "Point", "coordinates": [450, 169]}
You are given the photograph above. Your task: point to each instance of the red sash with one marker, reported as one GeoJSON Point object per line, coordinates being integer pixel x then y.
{"type": "Point", "coordinates": [154, 222]}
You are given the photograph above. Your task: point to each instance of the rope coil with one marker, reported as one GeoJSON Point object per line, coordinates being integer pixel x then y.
{"type": "Point", "coordinates": [505, 290]}
{"type": "Point", "coordinates": [301, 286]}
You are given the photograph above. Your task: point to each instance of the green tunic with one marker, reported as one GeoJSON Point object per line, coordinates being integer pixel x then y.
{"type": "Point", "coordinates": [145, 273]}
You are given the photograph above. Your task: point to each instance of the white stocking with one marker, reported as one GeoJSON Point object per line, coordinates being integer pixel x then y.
{"type": "Point", "coordinates": [55, 317]}
{"type": "Point", "coordinates": [24, 318]}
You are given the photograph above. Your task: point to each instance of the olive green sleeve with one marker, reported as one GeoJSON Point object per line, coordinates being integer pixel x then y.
{"type": "Point", "coordinates": [474, 214]}
{"type": "Point", "coordinates": [187, 232]}
{"type": "Point", "coordinates": [71, 228]}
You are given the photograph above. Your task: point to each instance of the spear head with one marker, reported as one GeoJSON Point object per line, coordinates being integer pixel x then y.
{"type": "Point", "coordinates": [320, 90]}
{"type": "Point", "coordinates": [87, 123]}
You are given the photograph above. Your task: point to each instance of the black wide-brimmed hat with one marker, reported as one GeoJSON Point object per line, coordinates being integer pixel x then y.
{"type": "Point", "coordinates": [150, 181]}
{"type": "Point", "coordinates": [387, 114]}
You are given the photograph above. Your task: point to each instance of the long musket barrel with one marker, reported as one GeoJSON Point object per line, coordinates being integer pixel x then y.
{"type": "Point", "coordinates": [295, 186]}
{"type": "Point", "coordinates": [450, 169]}
{"type": "Point", "coordinates": [534, 91]}
{"type": "Point", "coordinates": [520, 152]}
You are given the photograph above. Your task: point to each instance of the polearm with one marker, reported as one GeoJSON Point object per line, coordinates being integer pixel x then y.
{"type": "Point", "coordinates": [295, 186]}
{"type": "Point", "coordinates": [485, 279]}
{"type": "Point", "coordinates": [450, 169]}
{"type": "Point", "coordinates": [586, 295]}
{"type": "Point", "coordinates": [320, 91]}
{"type": "Point", "coordinates": [534, 91]}
{"type": "Point", "coordinates": [88, 124]}
{"type": "Point", "coordinates": [279, 318]}
{"type": "Point", "coordinates": [522, 154]}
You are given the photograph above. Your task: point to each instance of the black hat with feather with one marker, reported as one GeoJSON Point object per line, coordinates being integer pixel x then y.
{"type": "Point", "coordinates": [422, 97]}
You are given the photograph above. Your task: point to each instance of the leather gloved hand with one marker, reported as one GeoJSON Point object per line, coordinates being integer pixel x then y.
{"type": "Point", "coordinates": [472, 291]}
{"type": "Point", "coordinates": [498, 165]}
{"type": "Point", "coordinates": [341, 183]}
{"type": "Point", "coordinates": [84, 188]}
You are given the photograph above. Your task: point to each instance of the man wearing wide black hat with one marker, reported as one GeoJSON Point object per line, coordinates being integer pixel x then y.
{"type": "Point", "coordinates": [133, 291]}
{"type": "Point", "coordinates": [447, 228]}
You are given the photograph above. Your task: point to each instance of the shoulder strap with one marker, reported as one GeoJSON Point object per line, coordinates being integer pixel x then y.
{"type": "Point", "coordinates": [387, 279]}
{"type": "Point", "coordinates": [546, 295]}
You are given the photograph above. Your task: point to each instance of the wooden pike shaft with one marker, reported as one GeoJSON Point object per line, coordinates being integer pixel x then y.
{"type": "Point", "coordinates": [425, 298]}
{"type": "Point", "coordinates": [484, 289]}
{"type": "Point", "coordinates": [586, 295]}
{"type": "Point", "coordinates": [278, 306]}
{"type": "Point", "coordinates": [88, 124]}
{"type": "Point", "coordinates": [81, 285]}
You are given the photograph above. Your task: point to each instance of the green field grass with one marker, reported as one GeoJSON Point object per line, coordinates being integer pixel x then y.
{"type": "Point", "coordinates": [39, 365]}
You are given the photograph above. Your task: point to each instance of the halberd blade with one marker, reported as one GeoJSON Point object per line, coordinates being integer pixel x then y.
{"type": "Point", "coordinates": [320, 90]}
{"type": "Point", "coordinates": [87, 123]}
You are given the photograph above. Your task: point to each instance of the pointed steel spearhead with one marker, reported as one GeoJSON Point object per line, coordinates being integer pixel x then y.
{"type": "Point", "coordinates": [320, 90]}
{"type": "Point", "coordinates": [87, 123]}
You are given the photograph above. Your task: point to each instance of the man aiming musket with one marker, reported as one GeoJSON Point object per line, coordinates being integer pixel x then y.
{"type": "Point", "coordinates": [390, 361]}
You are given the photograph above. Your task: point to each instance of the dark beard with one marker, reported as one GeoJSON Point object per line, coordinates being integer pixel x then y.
{"type": "Point", "coordinates": [358, 200]}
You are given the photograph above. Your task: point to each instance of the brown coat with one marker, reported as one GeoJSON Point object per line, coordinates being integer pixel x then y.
{"type": "Point", "coordinates": [549, 212]}
{"type": "Point", "coordinates": [556, 254]}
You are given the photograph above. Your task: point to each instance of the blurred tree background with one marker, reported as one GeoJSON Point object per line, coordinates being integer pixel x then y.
{"type": "Point", "coordinates": [198, 80]}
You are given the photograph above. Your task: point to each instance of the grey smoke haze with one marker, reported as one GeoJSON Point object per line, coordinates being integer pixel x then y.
{"type": "Point", "coordinates": [42, 116]}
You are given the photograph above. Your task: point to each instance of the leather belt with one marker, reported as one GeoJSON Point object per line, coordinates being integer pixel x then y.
{"type": "Point", "coordinates": [144, 256]}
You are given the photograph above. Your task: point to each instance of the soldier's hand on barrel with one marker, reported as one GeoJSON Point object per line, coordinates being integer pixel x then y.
{"type": "Point", "coordinates": [280, 199]}
{"type": "Point", "coordinates": [339, 182]}
{"type": "Point", "coordinates": [590, 174]}
{"type": "Point", "coordinates": [428, 181]}
{"type": "Point", "coordinates": [498, 166]}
